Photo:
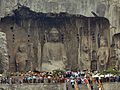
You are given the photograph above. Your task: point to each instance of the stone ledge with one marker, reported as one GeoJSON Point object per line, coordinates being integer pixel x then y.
{"type": "Point", "coordinates": [32, 87]}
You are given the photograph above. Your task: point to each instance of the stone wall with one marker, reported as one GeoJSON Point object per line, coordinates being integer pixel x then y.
{"type": "Point", "coordinates": [33, 87]}
{"type": "Point", "coordinates": [111, 86]}
{"type": "Point", "coordinates": [107, 86]}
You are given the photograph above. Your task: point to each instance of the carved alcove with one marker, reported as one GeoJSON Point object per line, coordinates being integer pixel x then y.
{"type": "Point", "coordinates": [26, 26]}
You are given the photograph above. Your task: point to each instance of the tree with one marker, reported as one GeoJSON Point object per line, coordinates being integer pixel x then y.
{"type": "Point", "coordinates": [110, 71]}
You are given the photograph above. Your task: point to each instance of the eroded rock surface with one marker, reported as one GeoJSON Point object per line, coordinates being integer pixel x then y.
{"type": "Point", "coordinates": [4, 60]}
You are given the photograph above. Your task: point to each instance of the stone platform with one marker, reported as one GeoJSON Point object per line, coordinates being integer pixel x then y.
{"type": "Point", "coordinates": [107, 86]}
{"type": "Point", "coordinates": [33, 87]}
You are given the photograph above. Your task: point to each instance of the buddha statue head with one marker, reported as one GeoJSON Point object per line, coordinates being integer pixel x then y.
{"type": "Point", "coordinates": [103, 42]}
{"type": "Point", "coordinates": [22, 48]}
{"type": "Point", "coordinates": [54, 35]}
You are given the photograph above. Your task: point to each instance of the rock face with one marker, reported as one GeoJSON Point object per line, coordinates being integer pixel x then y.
{"type": "Point", "coordinates": [4, 60]}
{"type": "Point", "coordinates": [105, 8]}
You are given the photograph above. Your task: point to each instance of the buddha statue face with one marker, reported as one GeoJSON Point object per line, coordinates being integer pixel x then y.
{"type": "Point", "coordinates": [54, 35]}
{"type": "Point", "coordinates": [22, 48]}
{"type": "Point", "coordinates": [102, 42]}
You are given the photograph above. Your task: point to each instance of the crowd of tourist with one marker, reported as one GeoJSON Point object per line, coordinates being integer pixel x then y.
{"type": "Point", "coordinates": [53, 77]}
{"type": "Point", "coordinates": [90, 78]}
{"type": "Point", "coordinates": [32, 77]}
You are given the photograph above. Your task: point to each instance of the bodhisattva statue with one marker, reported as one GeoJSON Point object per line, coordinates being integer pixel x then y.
{"type": "Point", "coordinates": [85, 55]}
{"type": "Point", "coordinates": [54, 55]}
{"type": "Point", "coordinates": [21, 58]}
{"type": "Point", "coordinates": [103, 55]}
{"type": "Point", "coordinates": [117, 52]}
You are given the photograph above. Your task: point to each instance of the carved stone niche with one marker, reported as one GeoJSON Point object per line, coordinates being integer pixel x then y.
{"type": "Point", "coordinates": [35, 24]}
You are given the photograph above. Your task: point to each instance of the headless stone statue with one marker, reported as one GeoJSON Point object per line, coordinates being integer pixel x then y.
{"type": "Point", "coordinates": [54, 55]}
{"type": "Point", "coordinates": [103, 54]}
{"type": "Point", "coordinates": [21, 58]}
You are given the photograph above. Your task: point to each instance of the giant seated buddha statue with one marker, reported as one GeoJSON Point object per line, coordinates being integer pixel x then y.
{"type": "Point", "coordinates": [54, 54]}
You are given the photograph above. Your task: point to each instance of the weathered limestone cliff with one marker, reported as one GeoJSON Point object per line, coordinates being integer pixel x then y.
{"type": "Point", "coordinates": [107, 8]}
{"type": "Point", "coordinates": [4, 60]}
{"type": "Point", "coordinates": [76, 35]}
{"type": "Point", "coordinates": [27, 26]}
